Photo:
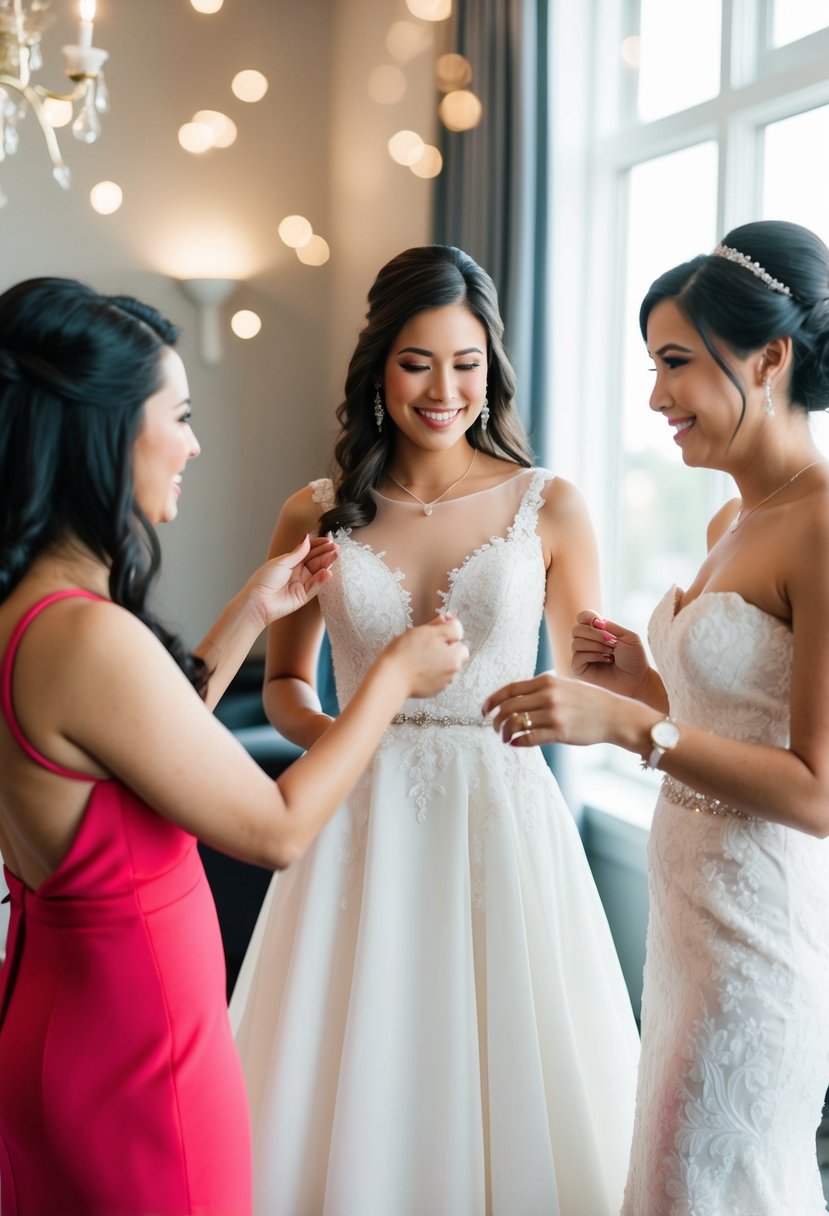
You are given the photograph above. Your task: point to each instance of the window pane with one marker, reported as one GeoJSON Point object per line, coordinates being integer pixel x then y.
{"type": "Point", "coordinates": [795, 19]}
{"type": "Point", "coordinates": [664, 507]}
{"type": "Point", "coordinates": [796, 187]}
{"type": "Point", "coordinates": [679, 56]}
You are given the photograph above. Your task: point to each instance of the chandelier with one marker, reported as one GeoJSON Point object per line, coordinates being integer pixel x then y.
{"type": "Point", "coordinates": [22, 24]}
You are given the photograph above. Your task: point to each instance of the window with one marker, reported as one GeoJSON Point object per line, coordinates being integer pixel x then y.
{"type": "Point", "coordinates": [700, 117]}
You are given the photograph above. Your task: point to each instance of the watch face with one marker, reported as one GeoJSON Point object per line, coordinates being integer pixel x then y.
{"type": "Point", "coordinates": [665, 734]}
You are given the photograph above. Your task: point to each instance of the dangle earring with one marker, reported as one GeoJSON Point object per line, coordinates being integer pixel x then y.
{"type": "Point", "coordinates": [484, 414]}
{"type": "Point", "coordinates": [378, 406]}
{"type": "Point", "coordinates": [768, 404]}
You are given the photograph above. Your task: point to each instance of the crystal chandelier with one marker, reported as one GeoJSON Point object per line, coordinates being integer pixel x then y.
{"type": "Point", "coordinates": [22, 24]}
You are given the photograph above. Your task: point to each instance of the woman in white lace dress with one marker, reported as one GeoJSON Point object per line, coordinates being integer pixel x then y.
{"type": "Point", "coordinates": [735, 1009]}
{"type": "Point", "coordinates": [431, 1017]}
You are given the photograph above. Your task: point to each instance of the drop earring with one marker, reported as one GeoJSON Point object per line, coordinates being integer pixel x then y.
{"type": "Point", "coordinates": [485, 414]}
{"type": "Point", "coordinates": [378, 406]}
{"type": "Point", "coordinates": [768, 404]}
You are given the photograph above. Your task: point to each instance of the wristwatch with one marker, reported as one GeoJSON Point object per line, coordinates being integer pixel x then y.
{"type": "Point", "coordinates": [664, 736]}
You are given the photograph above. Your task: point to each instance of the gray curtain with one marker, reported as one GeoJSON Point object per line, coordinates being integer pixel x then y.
{"type": "Point", "coordinates": [492, 197]}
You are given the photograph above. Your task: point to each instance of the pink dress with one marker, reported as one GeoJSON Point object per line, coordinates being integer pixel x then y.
{"type": "Point", "coordinates": [120, 1088]}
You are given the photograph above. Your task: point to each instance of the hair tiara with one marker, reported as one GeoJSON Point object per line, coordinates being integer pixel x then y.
{"type": "Point", "coordinates": [734, 255]}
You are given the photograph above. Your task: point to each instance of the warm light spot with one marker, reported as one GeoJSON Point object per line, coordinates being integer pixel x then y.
{"type": "Point", "coordinates": [245, 324]}
{"type": "Point", "coordinates": [386, 85]}
{"type": "Point", "coordinates": [207, 6]}
{"type": "Point", "coordinates": [460, 110]}
{"type": "Point", "coordinates": [405, 40]}
{"type": "Point", "coordinates": [630, 51]}
{"type": "Point", "coordinates": [430, 10]}
{"type": "Point", "coordinates": [106, 197]}
{"type": "Point", "coordinates": [195, 137]}
{"type": "Point", "coordinates": [295, 231]}
{"type": "Point", "coordinates": [223, 128]}
{"type": "Point", "coordinates": [429, 163]}
{"type": "Point", "coordinates": [453, 72]}
{"type": "Point", "coordinates": [315, 253]}
{"type": "Point", "coordinates": [250, 85]}
{"type": "Point", "coordinates": [87, 10]}
{"type": "Point", "coordinates": [405, 147]}
{"type": "Point", "coordinates": [56, 112]}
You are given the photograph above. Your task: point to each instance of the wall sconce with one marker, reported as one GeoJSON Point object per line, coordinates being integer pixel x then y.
{"type": "Point", "coordinates": [208, 295]}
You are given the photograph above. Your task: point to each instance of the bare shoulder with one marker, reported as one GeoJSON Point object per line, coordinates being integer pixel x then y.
{"type": "Point", "coordinates": [97, 638]}
{"type": "Point", "coordinates": [720, 522]}
{"type": "Point", "coordinates": [562, 501]}
{"type": "Point", "coordinates": [299, 514]}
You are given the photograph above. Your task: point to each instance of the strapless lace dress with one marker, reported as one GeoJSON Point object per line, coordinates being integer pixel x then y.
{"type": "Point", "coordinates": [735, 1008]}
{"type": "Point", "coordinates": [431, 1017]}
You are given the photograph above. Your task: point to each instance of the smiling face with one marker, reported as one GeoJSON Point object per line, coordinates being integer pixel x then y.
{"type": "Point", "coordinates": [694, 394]}
{"type": "Point", "coordinates": [435, 376]}
{"type": "Point", "coordinates": [164, 444]}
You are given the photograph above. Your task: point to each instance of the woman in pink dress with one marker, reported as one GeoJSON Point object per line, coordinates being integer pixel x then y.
{"type": "Point", "coordinates": [120, 1089]}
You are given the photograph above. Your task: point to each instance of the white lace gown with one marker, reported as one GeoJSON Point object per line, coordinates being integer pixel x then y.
{"type": "Point", "coordinates": [735, 1008]}
{"type": "Point", "coordinates": [431, 1015]}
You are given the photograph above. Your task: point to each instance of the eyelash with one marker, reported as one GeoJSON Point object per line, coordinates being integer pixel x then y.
{"type": "Point", "coordinates": [186, 417]}
{"type": "Point", "coordinates": [424, 367]}
{"type": "Point", "coordinates": [671, 364]}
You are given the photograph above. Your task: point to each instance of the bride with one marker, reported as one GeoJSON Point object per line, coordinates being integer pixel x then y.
{"type": "Point", "coordinates": [431, 1017]}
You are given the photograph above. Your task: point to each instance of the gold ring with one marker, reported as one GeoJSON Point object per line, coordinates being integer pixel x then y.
{"type": "Point", "coordinates": [526, 721]}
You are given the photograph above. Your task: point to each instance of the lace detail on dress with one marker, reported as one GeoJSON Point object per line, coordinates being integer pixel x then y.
{"type": "Point", "coordinates": [322, 492]}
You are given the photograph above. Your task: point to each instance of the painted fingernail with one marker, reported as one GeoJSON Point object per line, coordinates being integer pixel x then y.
{"type": "Point", "coordinates": [608, 658]}
{"type": "Point", "coordinates": [599, 622]}
{"type": "Point", "coordinates": [609, 638]}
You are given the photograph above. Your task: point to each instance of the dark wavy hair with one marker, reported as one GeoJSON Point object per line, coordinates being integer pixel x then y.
{"type": "Point", "coordinates": [418, 279]}
{"type": "Point", "coordinates": [725, 300]}
{"type": "Point", "coordinates": [76, 368]}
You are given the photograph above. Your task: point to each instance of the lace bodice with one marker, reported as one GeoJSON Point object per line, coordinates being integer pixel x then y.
{"type": "Point", "coordinates": [495, 585]}
{"type": "Point", "coordinates": [726, 665]}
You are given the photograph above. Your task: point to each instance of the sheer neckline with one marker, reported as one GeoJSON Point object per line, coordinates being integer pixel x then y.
{"type": "Point", "coordinates": [461, 497]}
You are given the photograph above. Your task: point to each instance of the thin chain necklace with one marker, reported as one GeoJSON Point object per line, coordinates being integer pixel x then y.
{"type": "Point", "coordinates": [427, 506]}
{"type": "Point", "coordinates": [735, 523]}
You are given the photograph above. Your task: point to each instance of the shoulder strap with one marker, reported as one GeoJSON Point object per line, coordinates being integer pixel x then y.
{"type": "Point", "coordinates": [7, 667]}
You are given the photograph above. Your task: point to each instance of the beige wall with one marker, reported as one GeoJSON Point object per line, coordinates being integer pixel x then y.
{"type": "Point", "coordinates": [315, 145]}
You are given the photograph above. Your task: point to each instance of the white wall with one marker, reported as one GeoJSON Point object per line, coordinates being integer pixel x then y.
{"type": "Point", "coordinates": [315, 145]}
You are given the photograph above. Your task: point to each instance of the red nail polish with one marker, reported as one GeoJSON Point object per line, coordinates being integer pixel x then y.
{"type": "Point", "coordinates": [599, 622]}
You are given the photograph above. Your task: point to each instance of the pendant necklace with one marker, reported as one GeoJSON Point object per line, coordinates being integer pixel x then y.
{"type": "Point", "coordinates": [738, 519]}
{"type": "Point", "coordinates": [427, 506]}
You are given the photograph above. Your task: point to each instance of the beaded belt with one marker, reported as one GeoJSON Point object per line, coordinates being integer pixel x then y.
{"type": "Point", "coordinates": [702, 804]}
{"type": "Point", "coordinates": [424, 718]}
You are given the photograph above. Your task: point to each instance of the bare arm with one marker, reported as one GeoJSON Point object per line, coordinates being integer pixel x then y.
{"type": "Point", "coordinates": [286, 582]}
{"type": "Point", "coordinates": [119, 705]}
{"type": "Point", "coordinates": [290, 692]}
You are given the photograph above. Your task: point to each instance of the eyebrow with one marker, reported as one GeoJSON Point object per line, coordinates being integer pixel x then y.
{"type": "Point", "coordinates": [417, 350]}
{"type": "Point", "coordinates": [686, 350]}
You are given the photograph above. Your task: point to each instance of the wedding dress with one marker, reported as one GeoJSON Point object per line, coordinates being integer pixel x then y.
{"type": "Point", "coordinates": [735, 1008]}
{"type": "Point", "coordinates": [431, 1015]}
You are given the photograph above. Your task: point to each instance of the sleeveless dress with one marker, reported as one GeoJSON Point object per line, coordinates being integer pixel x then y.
{"type": "Point", "coordinates": [431, 1015]}
{"type": "Point", "coordinates": [120, 1088]}
{"type": "Point", "coordinates": [735, 1008]}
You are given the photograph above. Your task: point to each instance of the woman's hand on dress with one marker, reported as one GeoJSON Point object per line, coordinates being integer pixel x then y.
{"type": "Point", "coordinates": [288, 581]}
{"type": "Point", "coordinates": [432, 655]}
{"type": "Point", "coordinates": [607, 654]}
{"type": "Point", "coordinates": [551, 709]}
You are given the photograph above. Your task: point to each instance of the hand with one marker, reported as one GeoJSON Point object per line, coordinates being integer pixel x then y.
{"type": "Point", "coordinates": [607, 654]}
{"type": "Point", "coordinates": [290, 580]}
{"type": "Point", "coordinates": [551, 709]}
{"type": "Point", "coordinates": [433, 655]}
